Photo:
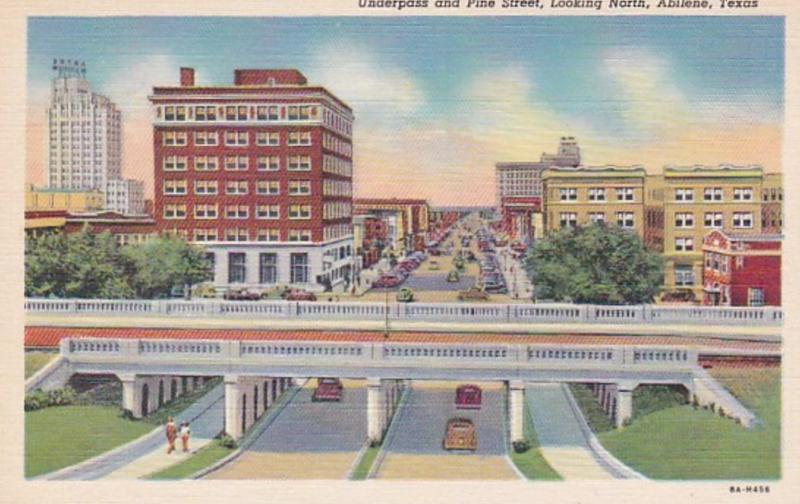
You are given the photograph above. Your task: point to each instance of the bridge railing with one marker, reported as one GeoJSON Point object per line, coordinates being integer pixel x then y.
{"type": "Point", "coordinates": [423, 312]}
{"type": "Point", "coordinates": [323, 353]}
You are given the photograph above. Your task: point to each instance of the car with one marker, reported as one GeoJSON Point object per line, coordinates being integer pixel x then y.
{"type": "Point", "coordinates": [435, 252]}
{"type": "Point", "coordinates": [473, 294]}
{"type": "Point", "coordinates": [519, 247]}
{"type": "Point", "coordinates": [405, 295]}
{"type": "Point", "coordinates": [328, 389]}
{"type": "Point", "coordinates": [299, 295]}
{"type": "Point", "coordinates": [453, 276]}
{"type": "Point", "coordinates": [468, 397]}
{"type": "Point", "coordinates": [206, 291]}
{"type": "Point", "coordinates": [433, 265]}
{"type": "Point", "coordinates": [458, 262]}
{"type": "Point", "coordinates": [495, 287]}
{"type": "Point", "coordinates": [387, 280]}
{"type": "Point", "coordinates": [460, 435]}
{"type": "Point", "coordinates": [241, 295]}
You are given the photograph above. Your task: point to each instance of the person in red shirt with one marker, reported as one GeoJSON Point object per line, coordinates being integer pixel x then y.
{"type": "Point", "coordinates": [172, 435]}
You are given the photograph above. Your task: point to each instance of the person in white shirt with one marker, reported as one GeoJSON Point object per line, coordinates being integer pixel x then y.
{"type": "Point", "coordinates": [185, 434]}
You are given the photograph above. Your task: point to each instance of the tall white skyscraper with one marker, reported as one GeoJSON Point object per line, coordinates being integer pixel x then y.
{"type": "Point", "coordinates": [84, 141]}
{"type": "Point", "coordinates": [84, 132]}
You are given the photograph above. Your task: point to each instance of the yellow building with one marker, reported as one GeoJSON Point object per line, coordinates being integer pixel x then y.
{"type": "Point", "coordinates": [698, 199]}
{"type": "Point", "coordinates": [578, 196]}
{"type": "Point", "coordinates": [39, 199]}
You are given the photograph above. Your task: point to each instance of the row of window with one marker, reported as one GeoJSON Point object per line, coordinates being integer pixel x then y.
{"type": "Point", "coordinates": [337, 210]}
{"type": "Point", "coordinates": [236, 187]}
{"type": "Point", "coordinates": [268, 267]}
{"type": "Point", "coordinates": [714, 194]}
{"type": "Point", "coordinates": [337, 188]}
{"type": "Point", "coordinates": [596, 193]}
{"type": "Point", "coordinates": [211, 113]}
{"type": "Point", "coordinates": [236, 138]}
{"type": "Point", "coordinates": [211, 211]}
{"type": "Point", "coordinates": [336, 144]}
{"type": "Point", "coordinates": [685, 220]}
{"type": "Point", "coordinates": [235, 163]}
{"type": "Point", "coordinates": [336, 231]}
{"type": "Point", "coordinates": [243, 235]}
{"type": "Point", "coordinates": [332, 164]}
{"type": "Point", "coordinates": [623, 219]}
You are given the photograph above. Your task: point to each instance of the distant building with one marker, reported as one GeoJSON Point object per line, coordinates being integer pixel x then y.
{"type": "Point", "coordinates": [741, 270]}
{"type": "Point", "coordinates": [407, 220]}
{"type": "Point", "coordinates": [772, 203]}
{"type": "Point", "coordinates": [38, 199]}
{"type": "Point", "coordinates": [260, 172]}
{"type": "Point", "coordinates": [84, 141]}
{"type": "Point", "coordinates": [126, 229]}
{"type": "Point", "coordinates": [581, 195]}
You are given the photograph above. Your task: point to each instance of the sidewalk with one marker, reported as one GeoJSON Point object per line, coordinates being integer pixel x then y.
{"type": "Point", "coordinates": [156, 460]}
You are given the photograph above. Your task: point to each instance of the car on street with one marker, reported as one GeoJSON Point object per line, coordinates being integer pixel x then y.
{"type": "Point", "coordinates": [433, 265]}
{"type": "Point", "coordinates": [405, 295]}
{"type": "Point", "coordinates": [299, 295]}
{"type": "Point", "coordinates": [460, 435]}
{"type": "Point", "coordinates": [453, 276]}
{"type": "Point", "coordinates": [328, 389]}
{"type": "Point", "coordinates": [388, 280]}
{"type": "Point", "coordinates": [241, 295]}
{"type": "Point", "coordinates": [468, 397]}
{"type": "Point", "coordinates": [473, 294]}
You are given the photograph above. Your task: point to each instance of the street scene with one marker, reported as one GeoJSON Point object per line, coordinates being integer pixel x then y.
{"type": "Point", "coordinates": [331, 261]}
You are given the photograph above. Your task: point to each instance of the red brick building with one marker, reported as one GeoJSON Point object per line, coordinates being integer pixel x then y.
{"type": "Point", "coordinates": [261, 173]}
{"type": "Point", "coordinates": [741, 270]}
{"type": "Point", "coordinates": [518, 214]}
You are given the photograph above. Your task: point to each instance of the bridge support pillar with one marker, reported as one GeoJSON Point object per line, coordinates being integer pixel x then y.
{"type": "Point", "coordinates": [233, 407]}
{"type": "Point", "coordinates": [375, 410]}
{"type": "Point", "coordinates": [624, 403]}
{"type": "Point", "coordinates": [132, 395]}
{"type": "Point", "coordinates": [516, 413]}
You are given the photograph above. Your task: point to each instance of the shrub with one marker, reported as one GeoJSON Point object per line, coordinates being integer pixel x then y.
{"type": "Point", "coordinates": [39, 399]}
{"type": "Point", "coordinates": [627, 422]}
{"type": "Point", "coordinates": [227, 442]}
{"type": "Point", "coordinates": [521, 446]}
{"type": "Point", "coordinates": [35, 400]}
{"type": "Point", "coordinates": [712, 407]}
{"type": "Point", "coordinates": [695, 402]}
{"type": "Point", "coordinates": [126, 414]}
{"type": "Point", "coordinates": [721, 412]}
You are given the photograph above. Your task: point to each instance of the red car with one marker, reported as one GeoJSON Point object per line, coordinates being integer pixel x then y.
{"type": "Point", "coordinates": [387, 281]}
{"type": "Point", "coordinates": [468, 397]}
{"type": "Point", "coordinates": [241, 295]}
{"type": "Point", "coordinates": [299, 295]}
{"type": "Point", "coordinates": [328, 389]}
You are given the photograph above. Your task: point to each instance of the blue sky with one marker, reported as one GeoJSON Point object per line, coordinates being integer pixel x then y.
{"type": "Point", "coordinates": [619, 83]}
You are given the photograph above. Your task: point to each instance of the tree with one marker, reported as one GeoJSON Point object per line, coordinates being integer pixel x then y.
{"type": "Point", "coordinates": [76, 265]}
{"type": "Point", "coordinates": [598, 264]}
{"type": "Point", "coordinates": [163, 263]}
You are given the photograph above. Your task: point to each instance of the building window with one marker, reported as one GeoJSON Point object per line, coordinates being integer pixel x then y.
{"type": "Point", "coordinates": [568, 219]}
{"type": "Point", "coordinates": [743, 194]}
{"type": "Point", "coordinates": [267, 113]}
{"type": "Point", "coordinates": [299, 187]}
{"type": "Point", "coordinates": [712, 194]}
{"type": "Point", "coordinates": [236, 163]}
{"type": "Point", "coordinates": [236, 138]}
{"type": "Point", "coordinates": [742, 219]}
{"type": "Point", "coordinates": [299, 163]}
{"type": "Point", "coordinates": [174, 139]}
{"type": "Point", "coordinates": [298, 138]}
{"type": "Point", "coordinates": [568, 194]}
{"type": "Point", "coordinates": [684, 220]}
{"type": "Point", "coordinates": [205, 113]}
{"type": "Point", "coordinates": [175, 211]}
{"type": "Point", "coordinates": [625, 193]}
{"type": "Point", "coordinates": [684, 244]}
{"type": "Point", "coordinates": [237, 212]}
{"type": "Point", "coordinates": [268, 235]}
{"type": "Point", "coordinates": [268, 212]}
{"type": "Point", "coordinates": [299, 113]}
{"type": "Point", "coordinates": [299, 268]}
{"type": "Point", "coordinates": [684, 194]}
{"type": "Point", "coordinates": [597, 217]}
{"type": "Point", "coordinates": [684, 275]}
{"type": "Point", "coordinates": [268, 187]}
{"type": "Point", "coordinates": [268, 138]}
{"type": "Point", "coordinates": [205, 187]}
{"type": "Point", "coordinates": [237, 269]}
{"type": "Point", "coordinates": [236, 187]}
{"type": "Point", "coordinates": [175, 187]}
{"type": "Point", "coordinates": [597, 194]}
{"type": "Point", "coordinates": [175, 163]}
{"type": "Point", "coordinates": [237, 235]}
{"type": "Point", "coordinates": [299, 235]}
{"type": "Point", "coordinates": [205, 211]}
{"type": "Point", "coordinates": [301, 212]}
{"type": "Point", "coordinates": [712, 219]}
{"type": "Point", "coordinates": [206, 138]}
{"type": "Point", "coordinates": [755, 296]}
{"type": "Point", "coordinates": [267, 268]}
{"type": "Point", "coordinates": [205, 235]}
{"type": "Point", "coordinates": [268, 163]}
{"type": "Point", "coordinates": [205, 163]}
{"type": "Point", "coordinates": [625, 220]}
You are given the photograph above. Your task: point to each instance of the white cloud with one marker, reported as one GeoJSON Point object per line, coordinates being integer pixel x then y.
{"type": "Point", "coordinates": [130, 86]}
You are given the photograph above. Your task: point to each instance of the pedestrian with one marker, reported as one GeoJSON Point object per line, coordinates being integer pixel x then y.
{"type": "Point", "coordinates": [185, 433]}
{"type": "Point", "coordinates": [172, 434]}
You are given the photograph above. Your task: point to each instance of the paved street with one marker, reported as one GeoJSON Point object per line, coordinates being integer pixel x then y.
{"type": "Point", "coordinates": [563, 444]}
{"type": "Point", "coordinates": [415, 450]}
{"type": "Point", "coordinates": [316, 440]}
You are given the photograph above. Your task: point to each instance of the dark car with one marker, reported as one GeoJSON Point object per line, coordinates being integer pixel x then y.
{"type": "Point", "coordinates": [468, 397]}
{"type": "Point", "coordinates": [328, 389]}
{"type": "Point", "coordinates": [460, 435]}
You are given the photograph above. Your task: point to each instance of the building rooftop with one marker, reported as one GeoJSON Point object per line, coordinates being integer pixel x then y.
{"type": "Point", "coordinates": [706, 170]}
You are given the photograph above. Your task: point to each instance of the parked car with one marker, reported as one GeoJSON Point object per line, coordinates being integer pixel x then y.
{"type": "Point", "coordinates": [519, 247]}
{"type": "Point", "coordinates": [206, 291]}
{"type": "Point", "coordinates": [241, 295]}
{"type": "Point", "coordinates": [328, 389]}
{"type": "Point", "coordinates": [458, 262]}
{"type": "Point", "coordinates": [435, 252]}
{"type": "Point", "coordinates": [405, 295]}
{"type": "Point", "coordinates": [468, 397]}
{"type": "Point", "coordinates": [473, 294]}
{"type": "Point", "coordinates": [387, 280]}
{"type": "Point", "coordinates": [299, 295]}
{"type": "Point", "coordinates": [460, 435]}
{"type": "Point", "coordinates": [453, 276]}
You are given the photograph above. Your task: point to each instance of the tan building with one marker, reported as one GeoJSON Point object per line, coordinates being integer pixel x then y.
{"type": "Point", "coordinates": [654, 212]}
{"type": "Point", "coordinates": [772, 203]}
{"type": "Point", "coordinates": [37, 199]}
{"type": "Point", "coordinates": [578, 196]}
{"type": "Point", "coordinates": [697, 200]}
